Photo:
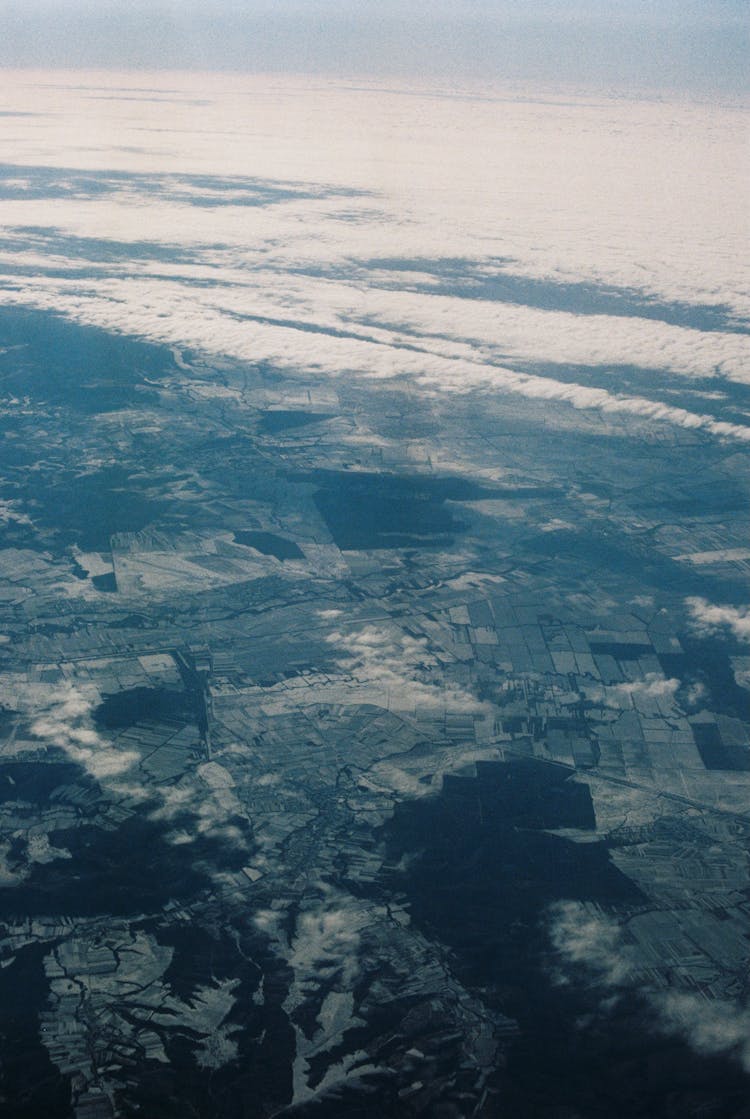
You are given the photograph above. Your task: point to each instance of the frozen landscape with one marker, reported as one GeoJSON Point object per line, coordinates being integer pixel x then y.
{"type": "Point", "coordinates": [374, 624]}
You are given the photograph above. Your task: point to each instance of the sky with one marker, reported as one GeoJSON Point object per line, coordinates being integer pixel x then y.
{"type": "Point", "coordinates": [638, 43]}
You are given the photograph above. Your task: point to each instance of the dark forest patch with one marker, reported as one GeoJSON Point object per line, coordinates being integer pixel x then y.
{"type": "Point", "coordinates": [130, 870]}
{"type": "Point", "coordinates": [717, 754]}
{"type": "Point", "coordinates": [31, 1087]}
{"type": "Point", "coordinates": [135, 705]}
{"type": "Point", "coordinates": [481, 878]}
{"type": "Point", "coordinates": [269, 544]}
{"type": "Point", "coordinates": [365, 510]}
{"type": "Point", "coordinates": [279, 420]}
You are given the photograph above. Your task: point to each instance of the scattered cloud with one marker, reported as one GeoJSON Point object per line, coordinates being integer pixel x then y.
{"type": "Point", "coordinates": [712, 1027]}
{"type": "Point", "coordinates": [708, 618]}
{"type": "Point", "coordinates": [205, 796]}
{"type": "Point", "coordinates": [325, 942]}
{"type": "Point", "coordinates": [62, 716]}
{"type": "Point", "coordinates": [323, 951]}
{"type": "Point", "coordinates": [584, 937]}
{"type": "Point", "coordinates": [653, 687]}
{"type": "Point", "coordinates": [591, 940]}
{"type": "Point", "coordinates": [9, 513]}
{"type": "Point", "coordinates": [400, 666]}
{"type": "Point", "coordinates": [64, 719]}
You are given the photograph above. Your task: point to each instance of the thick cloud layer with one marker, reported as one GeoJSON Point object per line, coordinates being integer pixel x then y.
{"type": "Point", "coordinates": [585, 252]}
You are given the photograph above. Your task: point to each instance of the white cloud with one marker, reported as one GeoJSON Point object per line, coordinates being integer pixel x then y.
{"type": "Point", "coordinates": [204, 795]}
{"type": "Point", "coordinates": [585, 937]}
{"type": "Point", "coordinates": [249, 277]}
{"type": "Point", "coordinates": [326, 939]}
{"type": "Point", "coordinates": [712, 1027]}
{"type": "Point", "coordinates": [708, 618]}
{"type": "Point", "coordinates": [323, 951]}
{"type": "Point", "coordinates": [653, 687]}
{"type": "Point", "coordinates": [64, 719]}
{"type": "Point", "coordinates": [401, 667]}
{"type": "Point", "coordinates": [588, 939]}
{"type": "Point", "coordinates": [645, 195]}
{"type": "Point", "coordinates": [10, 513]}
{"type": "Point", "coordinates": [172, 316]}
